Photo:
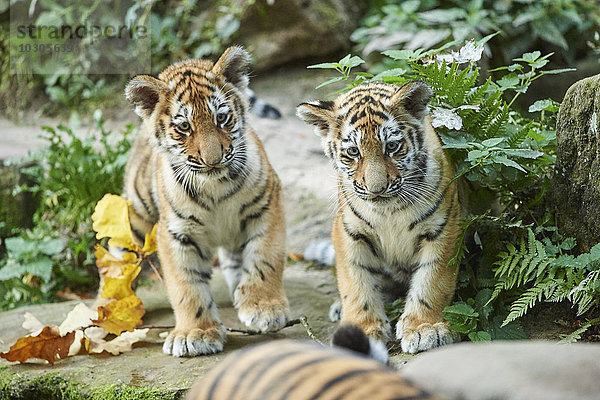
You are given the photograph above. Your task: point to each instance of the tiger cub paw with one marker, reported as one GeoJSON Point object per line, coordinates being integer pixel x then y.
{"type": "Point", "coordinates": [194, 342]}
{"type": "Point", "coordinates": [424, 337]}
{"type": "Point", "coordinates": [264, 317]}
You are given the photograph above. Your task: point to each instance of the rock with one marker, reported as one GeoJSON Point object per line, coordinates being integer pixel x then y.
{"type": "Point", "coordinates": [280, 31]}
{"type": "Point", "coordinates": [509, 371]}
{"type": "Point", "coordinates": [576, 180]}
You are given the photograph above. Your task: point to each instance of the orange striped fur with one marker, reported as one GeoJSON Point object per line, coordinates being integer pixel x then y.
{"type": "Point", "coordinates": [295, 370]}
{"type": "Point", "coordinates": [199, 170]}
{"type": "Point", "coordinates": [398, 213]}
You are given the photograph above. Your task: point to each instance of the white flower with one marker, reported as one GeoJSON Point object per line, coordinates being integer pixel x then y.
{"type": "Point", "coordinates": [445, 117]}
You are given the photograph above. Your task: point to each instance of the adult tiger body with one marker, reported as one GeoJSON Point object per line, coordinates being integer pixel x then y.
{"type": "Point", "coordinates": [398, 211]}
{"type": "Point", "coordinates": [199, 170]}
{"type": "Point", "coordinates": [302, 370]}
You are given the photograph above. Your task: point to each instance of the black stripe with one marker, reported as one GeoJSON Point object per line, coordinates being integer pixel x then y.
{"type": "Point", "coordinates": [192, 194]}
{"type": "Point", "coordinates": [265, 363]}
{"type": "Point", "coordinates": [250, 239]}
{"type": "Point", "coordinates": [138, 235]}
{"type": "Point", "coordinates": [294, 377]}
{"type": "Point", "coordinates": [358, 215]}
{"type": "Point", "coordinates": [185, 240]}
{"type": "Point", "coordinates": [199, 312]}
{"type": "Point", "coordinates": [374, 270]}
{"type": "Point", "coordinates": [202, 276]}
{"type": "Point", "coordinates": [183, 216]}
{"type": "Point", "coordinates": [239, 184]}
{"type": "Point", "coordinates": [262, 274]}
{"type": "Point", "coordinates": [272, 268]}
{"type": "Point", "coordinates": [426, 304]}
{"type": "Point", "coordinates": [359, 236]}
{"type": "Point", "coordinates": [257, 198]}
{"type": "Point", "coordinates": [430, 211]}
{"type": "Point", "coordinates": [338, 379]}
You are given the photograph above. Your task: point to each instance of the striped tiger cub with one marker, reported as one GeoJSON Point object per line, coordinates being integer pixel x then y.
{"type": "Point", "coordinates": [198, 169]}
{"type": "Point", "coordinates": [398, 213]}
{"type": "Point", "coordinates": [302, 370]}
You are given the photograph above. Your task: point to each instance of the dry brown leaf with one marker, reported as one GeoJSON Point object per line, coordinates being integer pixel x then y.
{"type": "Point", "coordinates": [68, 294]}
{"type": "Point", "coordinates": [295, 256]}
{"type": "Point", "coordinates": [32, 324]}
{"type": "Point", "coordinates": [48, 345]}
{"type": "Point", "coordinates": [79, 317]}
{"type": "Point", "coordinates": [121, 315]}
{"type": "Point", "coordinates": [120, 344]}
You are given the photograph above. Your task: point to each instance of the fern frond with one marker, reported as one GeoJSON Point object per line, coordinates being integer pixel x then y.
{"type": "Point", "coordinates": [576, 335]}
{"type": "Point", "coordinates": [526, 301]}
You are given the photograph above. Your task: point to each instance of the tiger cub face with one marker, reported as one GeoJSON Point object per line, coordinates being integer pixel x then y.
{"type": "Point", "coordinates": [199, 111]}
{"type": "Point", "coordinates": [374, 135]}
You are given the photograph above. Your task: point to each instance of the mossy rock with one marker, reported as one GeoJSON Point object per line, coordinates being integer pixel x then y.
{"type": "Point", "coordinates": [576, 180]}
{"type": "Point", "coordinates": [291, 30]}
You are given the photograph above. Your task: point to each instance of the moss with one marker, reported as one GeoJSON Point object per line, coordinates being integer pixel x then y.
{"type": "Point", "coordinates": [51, 386]}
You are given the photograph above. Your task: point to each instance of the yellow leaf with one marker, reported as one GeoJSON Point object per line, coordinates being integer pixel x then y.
{"type": "Point", "coordinates": [120, 287]}
{"type": "Point", "coordinates": [150, 241]}
{"type": "Point", "coordinates": [111, 219]}
{"type": "Point", "coordinates": [121, 315]}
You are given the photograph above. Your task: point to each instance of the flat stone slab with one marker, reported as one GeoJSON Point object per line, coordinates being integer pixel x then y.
{"type": "Point", "coordinates": [310, 293]}
{"type": "Point", "coordinates": [509, 371]}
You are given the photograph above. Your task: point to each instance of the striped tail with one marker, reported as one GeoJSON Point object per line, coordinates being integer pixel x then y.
{"type": "Point", "coordinates": [321, 252]}
{"type": "Point", "coordinates": [351, 337]}
{"type": "Point", "coordinates": [260, 108]}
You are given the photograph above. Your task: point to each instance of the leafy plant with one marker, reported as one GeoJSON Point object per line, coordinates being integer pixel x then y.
{"type": "Point", "coordinates": [525, 25]}
{"type": "Point", "coordinates": [70, 176]}
{"type": "Point", "coordinates": [504, 161]}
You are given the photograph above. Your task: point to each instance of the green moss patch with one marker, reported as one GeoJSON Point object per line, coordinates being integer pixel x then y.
{"type": "Point", "coordinates": [52, 386]}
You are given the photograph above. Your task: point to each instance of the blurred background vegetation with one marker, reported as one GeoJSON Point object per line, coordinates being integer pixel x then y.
{"type": "Point", "coordinates": [53, 252]}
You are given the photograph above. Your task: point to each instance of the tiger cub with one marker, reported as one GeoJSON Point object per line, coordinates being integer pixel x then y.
{"type": "Point", "coordinates": [398, 211]}
{"type": "Point", "coordinates": [302, 370]}
{"type": "Point", "coordinates": [198, 169]}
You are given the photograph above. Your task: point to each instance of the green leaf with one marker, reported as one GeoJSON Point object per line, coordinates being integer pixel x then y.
{"type": "Point", "coordinates": [324, 66]}
{"type": "Point", "coordinates": [480, 336]}
{"type": "Point", "coordinates": [509, 81]}
{"type": "Point", "coordinates": [523, 153]}
{"type": "Point", "coordinates": [17, 246]}
{"type": "Point", "coordinates": [330, 81]}
{"type": "Point", "coordinates": [529, 57]}
{"type": "Point", "coordinates": [476, 154]}
{"type": "Point", "coordinates": [400, 54]}
{"type": "Point", "coordinates": [41, 267]}
{"type": "Point", "coordinates": [557, 71]}
{"type": "Point", "coordinates": [51, 247]}
{"type": "Point", "coordinates": [509, 163]}
{"type": "Point", "coordinates": [492, 142]}
{"type": "Point", "coordinates": [510, 331]}
{"type": "Point", "coordinates": [461, 308]}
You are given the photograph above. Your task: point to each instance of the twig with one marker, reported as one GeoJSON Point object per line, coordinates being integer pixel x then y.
{"type": "Point", "coordinates": [309, 332]}
{"type": "Point", "coordinates": [252, 332]}
{"type": "Point", "coordinates": [235, 330]}
{"type": "Point", "coordinates": [155, 270]}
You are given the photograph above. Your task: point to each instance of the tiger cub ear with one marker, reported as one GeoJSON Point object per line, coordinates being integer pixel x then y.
{"type": "Point", "coordinates": [414, 97]}
{"type": "Point", "coordinates": [234, 65]}
{"type": "Point", "coordinates": [317, 113]}
{"type": "Point", "coordinates": [144, 91]}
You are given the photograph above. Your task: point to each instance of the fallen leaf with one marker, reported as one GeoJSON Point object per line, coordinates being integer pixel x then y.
{"type": "Point", "coordinates": [48, 345]}
{"type": "Point", "coordinates": [121, 315]}
{"type": "Point", "coordinates": [108, 265]}
{"type": "Point", "coordinates": [76, 345]}
{"type": "Point", "coordinates": [32, 324]}
{"type": "Point", "coordinates": [79, 317]}
{"type": "Point", "coordinates": [295, 256]}
{"type": "Point", "coordinates": [120, 288]}
{"type": "Point", "coordinates": [150, 241]}
{"type": "Point", "coordinates": [120, 344]}
{"type": "Point", "coordinates": [111, 219]}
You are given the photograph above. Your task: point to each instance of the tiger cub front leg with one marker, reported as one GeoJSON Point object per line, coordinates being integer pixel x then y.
{"type": "Point", "coordinates": [259, 296]}
{"type": "Point", "coordinates": [187, 270]}
{"type": "Point", "coordinates": [421, 326]}
{"type": "Point", "coordinates": [357, 275]}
